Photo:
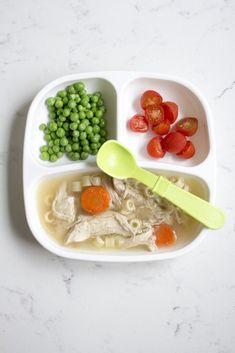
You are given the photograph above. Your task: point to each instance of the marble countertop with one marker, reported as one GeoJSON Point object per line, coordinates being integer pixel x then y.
{"type": "Point", "coordinates": [50, 304]}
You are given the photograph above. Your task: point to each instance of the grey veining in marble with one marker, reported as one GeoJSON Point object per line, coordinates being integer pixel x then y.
{"type": "Point", "coordinates": [49, 304]}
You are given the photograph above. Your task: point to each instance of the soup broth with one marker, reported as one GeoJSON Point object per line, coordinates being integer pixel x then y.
{"type": "Point", "coordinates": [47, 192]}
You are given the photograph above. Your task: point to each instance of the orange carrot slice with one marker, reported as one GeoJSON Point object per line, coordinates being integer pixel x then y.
{"type": "Point", "coordinates": [165, 235]}
{"type": "Point", "coordinates": [95, 199]}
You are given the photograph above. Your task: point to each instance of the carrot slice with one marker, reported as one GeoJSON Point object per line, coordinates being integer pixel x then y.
{"type": "Point", "coordinates": [95, 199]}
{"type": "Point", "coordinates": [165, 235]}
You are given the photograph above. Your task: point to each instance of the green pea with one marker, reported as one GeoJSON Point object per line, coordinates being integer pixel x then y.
{"type": "Point", "coordinates": [80, 108]}
{"type": "Point", "coordinates": [93, 105]}
{"type": "Point", "coordinates": [94, 152]}
{"type": "Point", "coordinates": [72, 96]}
{"type": "Point", "coordinates": [75, 139]}
{"type": "Point", "coordinates": [77, 99]}
{"type": "Point", "coordinates": [76, 156]}
{"type": "Point", "coordinates": [56, 142]}
{"type": "Point", "coordinates": [53, 126]}
{"type": "Point", "coordinates": [89, 114]}
{"type": "Point", "coordinates": [66, 126]}
{"type": "Point", "coordinates": [46, 131]}
{"type": "Point", "coordinates": [71, 89]}
{"type": "Point", "coordinates": [75, 133]}
{"type": "Point", "coordinates": [93, 146]}
{"type": "Point", "coordinates": [102, 123]}
{"type": "Point", "coordinates": [79, 86]}
{"type": "Point", "coordinates": [73, 126]}
{"type": "Point", "coordinates": [64, 141]}
{"type": "Point", "coordinates": [89, 130]}
{"type": "Point", "coordinates": [102, 140]}
{"type": "Point", "coordinates": [74, 116]}
{"type": "Point", "coordinates": [60, 123]}
{"type": "Point", "coordinates": [52, 115]}
{"type": "Point", "coordinates": [47, 137]}
{"type": "Point", "coordinates": [84, 142]}
{"type": "Point", "coordinates": [56, 149]}
{"type": "Point", "coordinates": [66, 112]}
{"type": "Point", "coordinates": [42, 127]}
{"type": "Point", "coordinates": [86, 122]}
{"type": "Point", "coordinates": [84, 155]}
{"type": "Point", "coordinates": [75, 146]}
{"type": "Point", "coordinates": [103, 109]}
{"type": "Point", "coordinates": [88, 106]}
{"type": "Point", "coordinates": [95, 138]}
{"type": "Point", "coordinates": [72, 104]}
{"type": "Point", "coordinates": [99, 114]}
{"type": "Point", "coordinates": [96, 129]}
{"type": "Point", "coordinates": [83, 93]}
{"type": "Point", "coordinates": [59, 154]}
{"type": "Point", "coordinates": [53, 158]}
{"type": "Point", "coordinates": [95, 121]}
{"type": "Point", "coordinates": [60, 132]}
{"type": "Point", "coordinates": [100, 102]}
{"type": "Point", "coordinates": [59, 103]}
{"type": "Point", "coordinates": [50, 150]}
{"type": "Point", "coordinates": [44, 148]}
{"type": "Point", "coordinates": [62, 93]}
{"type": "Point", "coordinates": [44, 156]}
{"type": "Point", "coordinates": [83, 135]}
{"type": "Point", "coordinates": [82, 115]}
{"type": "Point", "coordinates": [86, 148]}
{"type": "Point", "coordinates": [50, 101]}
{"type": "Point", "coordinates": [59, 111]}
{"type": "Point", "coordinates": [98, 94]}
{"type": "Point", "coordinates": [84, 101]}
{"type": "Point", "coordinates": [103, 132]}
{"type": "Point", "coordinates": [62, 118]}
{"type": "Point", "coordinates": [51, 108]}
{"type": "Point", "coordinates": [65, 100]}
{"type": "Point", "coordinates": [51, 143]}
{"type": "Point", "coordinates": [94, 98]}
{"type": "Point", "coordinates": [81, 127]}
{"type": "Point", "coordinates": [68, 148]}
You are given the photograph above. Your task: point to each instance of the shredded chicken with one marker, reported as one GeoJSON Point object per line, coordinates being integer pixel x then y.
{"type": "Point", "coordinates": [63, 206]}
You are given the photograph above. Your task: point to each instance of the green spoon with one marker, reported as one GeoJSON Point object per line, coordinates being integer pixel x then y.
{"type": "Point", "coordinates": [117, 161]}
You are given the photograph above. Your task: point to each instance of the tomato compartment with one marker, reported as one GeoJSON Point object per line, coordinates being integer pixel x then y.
{"type": "Point", "coordinates": [179, 101]}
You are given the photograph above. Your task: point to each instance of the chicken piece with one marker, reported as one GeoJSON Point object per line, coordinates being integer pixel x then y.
{"type": "Point", "coordinates": [107, 223]}
{"type": "Point", "coordinates": [146, 238]}
{"type": "Point", "coordinates": [119, 186]}
{"type": "Point", "coordinates": [63, 206]}
{"type": "Point", "coordinates": [116, 200]}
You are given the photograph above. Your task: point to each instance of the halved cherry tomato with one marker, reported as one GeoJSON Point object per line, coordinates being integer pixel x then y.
{"type": "Point", "coordinates": [170, 111]}
{"type": "Point", "coordinates": [174, 142]}
{"type": "Point", "coordinates": [154, 114]}
{"type": "Point", "coordinates": [187, 126]}
{"type": "Point", "coordinates": [162, 128]}
{"type": "Point", "coordinates": [138, 123]}
{"type": "Point", "coordinates": [154, 147]}
{"type": "Point", "coordinates": [150, 97]}
{"type": "Point", "coordinates": [165, 235]}
{"type": "Point", "coordinates": [188, 151]}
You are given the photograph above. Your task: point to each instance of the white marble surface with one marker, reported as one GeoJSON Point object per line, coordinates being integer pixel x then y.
{"type": "Point", "coordinates": [48, 304]}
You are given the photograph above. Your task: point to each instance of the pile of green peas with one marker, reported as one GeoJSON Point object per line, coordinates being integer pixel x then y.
{"type": "Point", "coordinates": [76, 126]}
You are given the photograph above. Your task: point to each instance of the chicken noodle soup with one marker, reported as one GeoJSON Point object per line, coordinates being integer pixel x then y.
{"type": "Point", "coordinates": [98, 211]}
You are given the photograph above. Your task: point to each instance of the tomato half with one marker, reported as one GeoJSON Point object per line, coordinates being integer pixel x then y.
{"type": "Point", "coordinates": [174, 142]}
{"type": "Point", "coordinates": [170, 111]}
{"type": "Point", "coordinates": [165, 235]}
{"type": "Point", "coordinates": [138, 123]}
{"type": "Point", "coordinates": [154, 114]}
{"type": "Point", "coordinates": [154, 147]}
{"type": "Point", "coordinates": [150, 97]}
{"type": "Point", "coordinates": [187, 126]}
{"type": "Point", "coordinates": [162, 128]}
{"type": "Point", "coordinates": [188, 151]}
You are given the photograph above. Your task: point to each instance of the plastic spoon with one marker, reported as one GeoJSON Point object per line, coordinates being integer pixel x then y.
{"type": "Point", "coordinates": [117, 161]}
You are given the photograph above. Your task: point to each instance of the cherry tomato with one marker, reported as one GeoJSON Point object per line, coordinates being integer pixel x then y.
{"type": "Point", "coordinates": [162, 128]}
{"type": "Point", "coordinates": [138, 123]}
{"type": "Point", "coordinates": [188, 151]}
{"type": "Point", "coordinates": [165, 235]}
{"type": "Point", "coordinates": [187, 126]}
{"type": "Point", "coordinates": [174, 142]}
{"type": "Point", "coordinates": [154, 147]}
{"type": "Point", "coordinates": [170, 111]}
{"type": "Point", "coordinates": [150, 97]}
{"type": "Point", "coordinates": [154, 114]}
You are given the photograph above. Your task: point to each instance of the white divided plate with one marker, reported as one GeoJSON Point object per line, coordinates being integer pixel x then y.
{"type": "Point", "coordinates": [121, 92]}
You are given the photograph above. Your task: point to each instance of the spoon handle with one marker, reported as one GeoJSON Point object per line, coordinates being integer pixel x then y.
{"type": "Point", "coordinates": [209, 215]}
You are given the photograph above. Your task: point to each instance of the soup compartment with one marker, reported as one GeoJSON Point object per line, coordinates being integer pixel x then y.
{"type": "Point", "coordinates": [121, 92]}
